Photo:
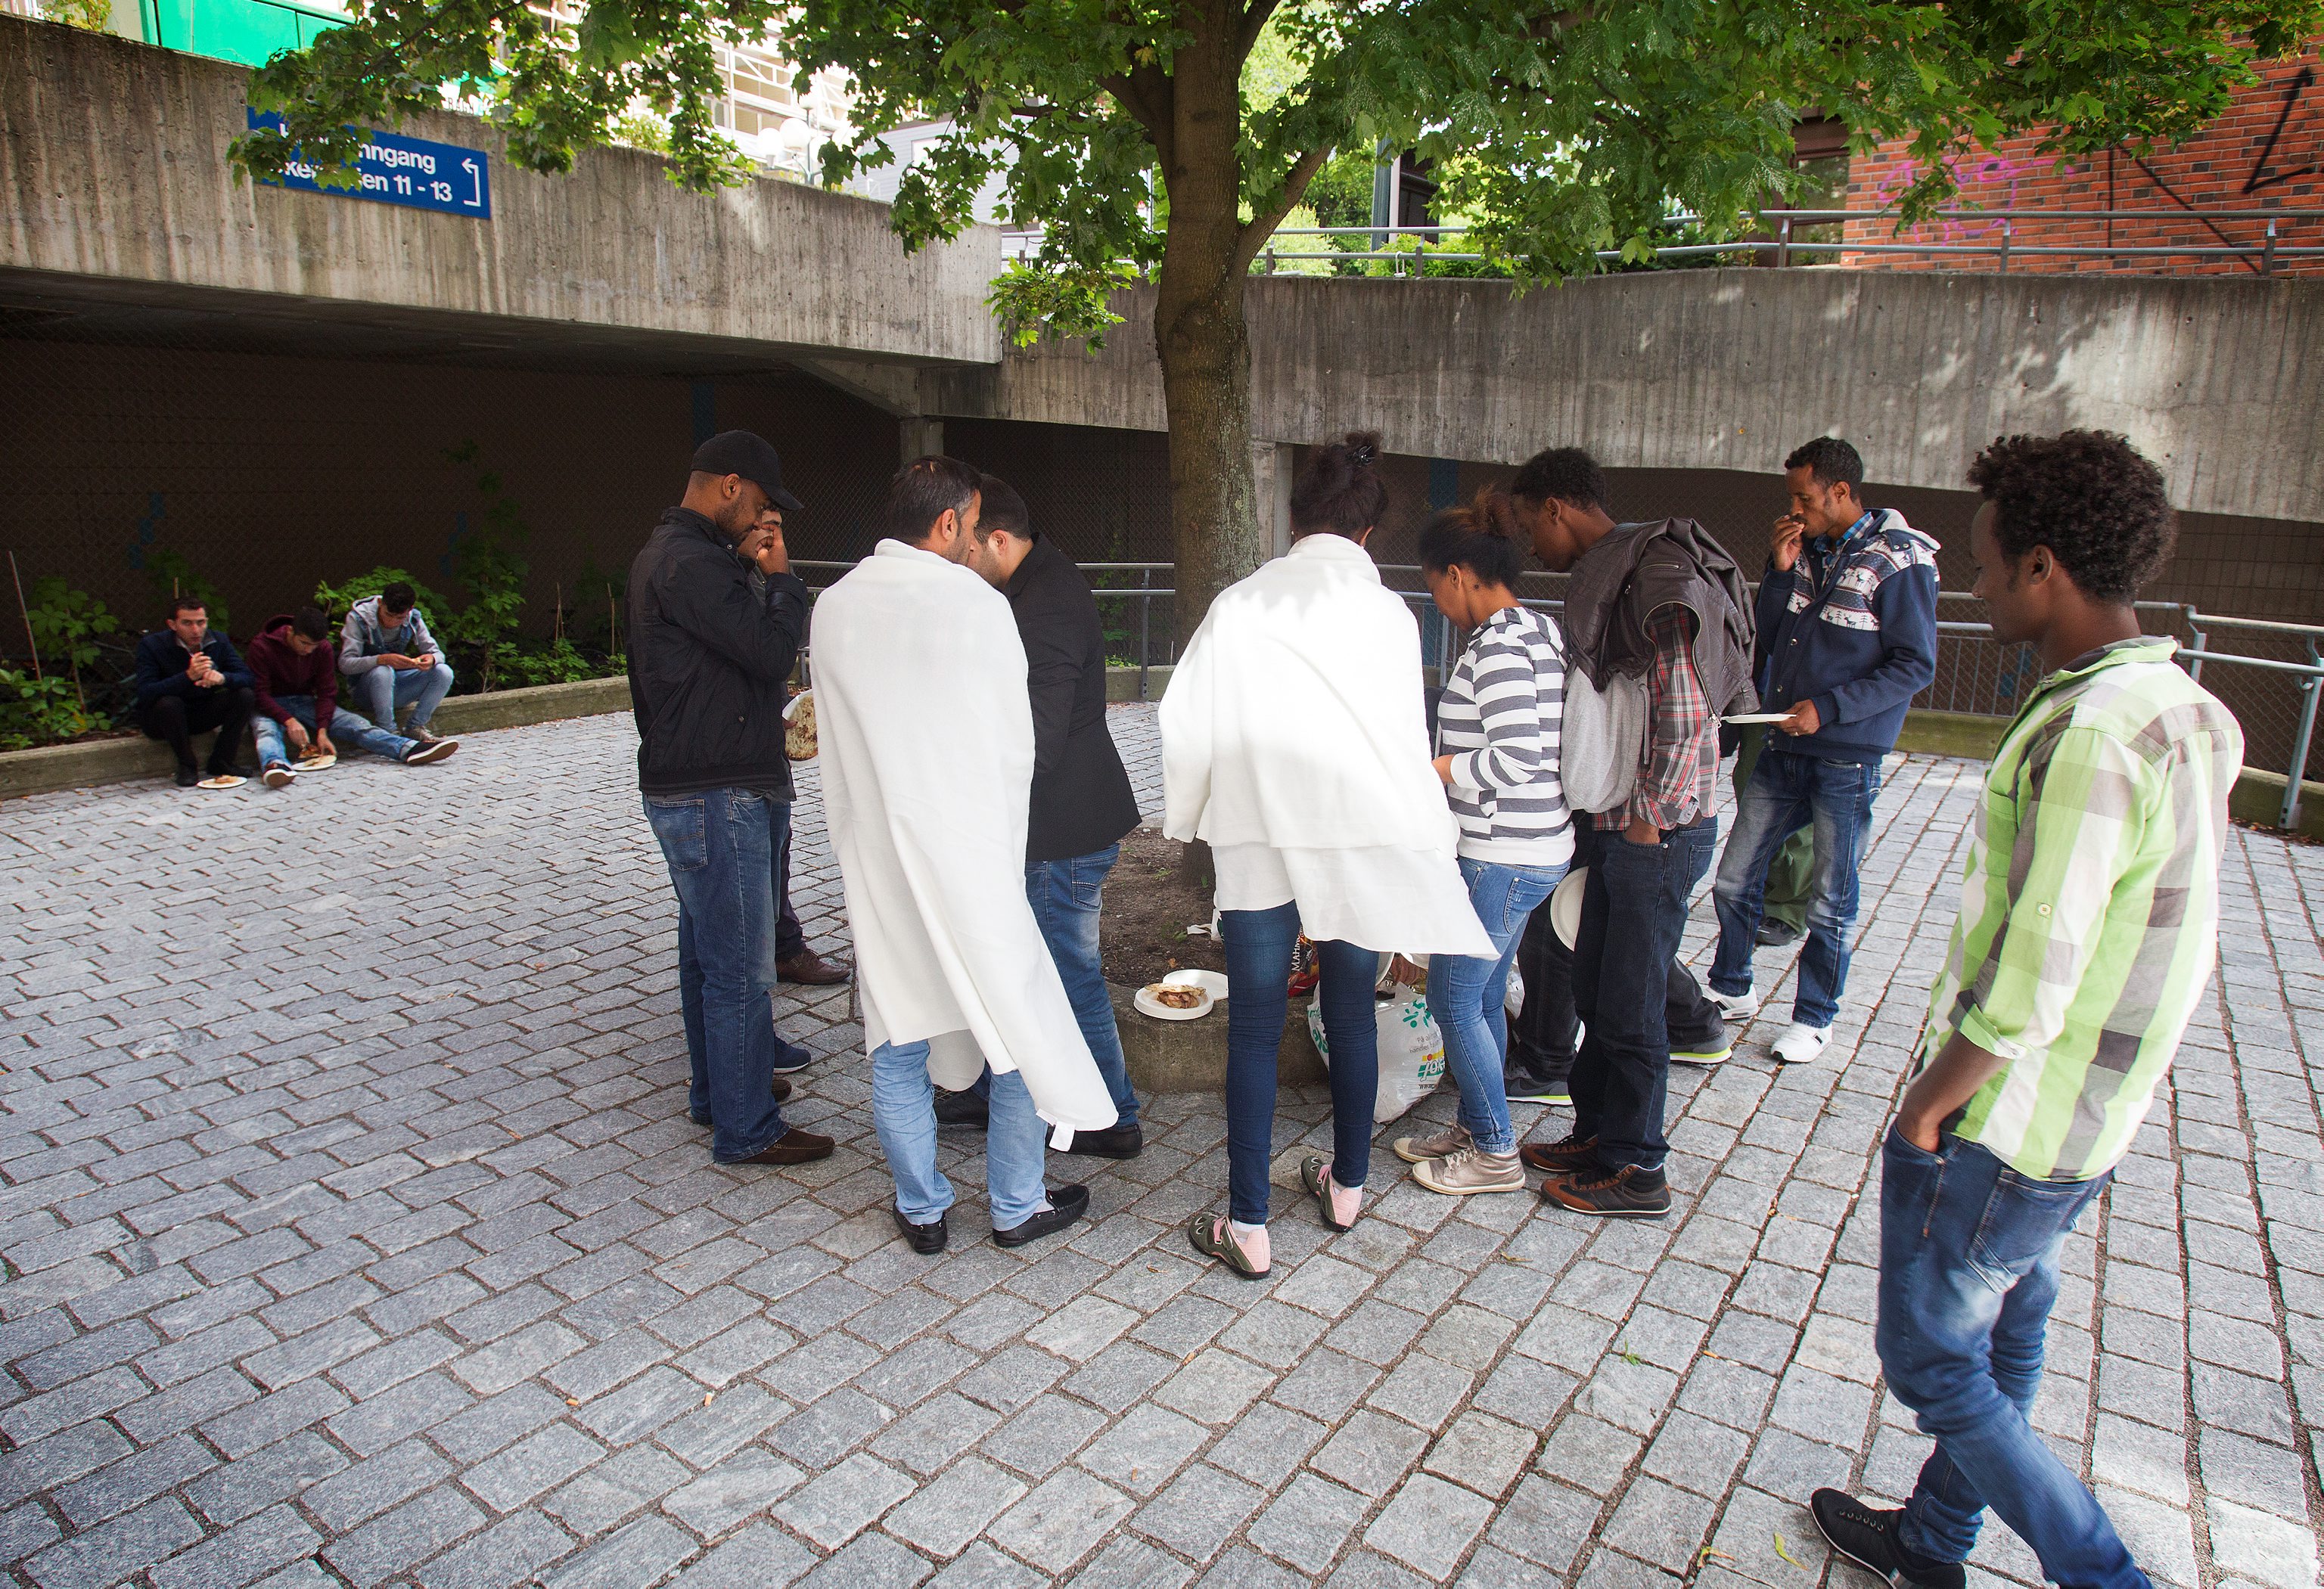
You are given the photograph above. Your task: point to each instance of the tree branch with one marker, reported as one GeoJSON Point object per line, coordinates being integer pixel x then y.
{"type": "Point", "coordinates": [1145, 92]}
{"type": "Point", "coordinates": [1254, 23]}
{"type": "Point", "coordinates": [1263, 223]}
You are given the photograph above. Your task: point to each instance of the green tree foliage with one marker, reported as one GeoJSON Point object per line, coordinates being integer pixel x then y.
{"type": "Point", "coordinates": [1136, 133]}
{"type": "Point", "coordinates": [68, 626]}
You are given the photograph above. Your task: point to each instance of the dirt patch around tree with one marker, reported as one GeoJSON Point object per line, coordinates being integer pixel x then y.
{"type": "Point", "coordinates": [1149, 906]}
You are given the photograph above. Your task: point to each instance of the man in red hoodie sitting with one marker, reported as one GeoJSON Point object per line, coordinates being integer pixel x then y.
{"type": "Point", "coordinates": [297, 686]}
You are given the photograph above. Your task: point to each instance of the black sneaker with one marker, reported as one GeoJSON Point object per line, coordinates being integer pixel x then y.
{"type": "Point", "coordinates": [959, 1108]}
{"type": "Point", "coordinates": [1868, 1537]}
{"type": "Point", "coordinates": [789, 1056]}
{"type": "Point", "coordinates": [1525, 1085]}
{"type": "Point", "coordinates": [1628, 1193]}
{"type": "Point", "coordinates": [1115, 1142]}
{"type": "Point", "coordinates": [188, 776]}
{"type": "Point", "coordinates": [1774, 934]}
{"type": "Point", "coordinates": [1565, 1156]}
{"type": "Point", "coordinates": [1067, 1204]}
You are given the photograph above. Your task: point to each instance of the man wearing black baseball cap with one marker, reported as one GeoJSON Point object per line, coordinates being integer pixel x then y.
{"type": "Point", "coordinates": [707, 660]}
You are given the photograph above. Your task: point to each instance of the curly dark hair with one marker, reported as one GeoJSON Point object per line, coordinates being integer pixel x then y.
{"type": "Point", "coordinates": [1830, 461]}
{"type": "Point", "coordinates": [1339, 488]}
{"type": "Point", "coordinates": [2089, 496]}
{"type": "Point", "coordinates": [1483, 538]}
{"type": "Point", "coordinates": [1568, 473]}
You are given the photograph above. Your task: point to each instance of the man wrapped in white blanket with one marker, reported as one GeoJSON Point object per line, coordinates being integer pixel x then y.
{"type": "Point", "coordinates": [926, 736]}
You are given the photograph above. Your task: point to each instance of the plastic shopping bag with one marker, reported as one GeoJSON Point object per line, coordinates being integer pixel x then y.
{"type": "Point", "coordinates": [1411, 1051]}
{"type": "Point", "coordinates": [1514, 1003]}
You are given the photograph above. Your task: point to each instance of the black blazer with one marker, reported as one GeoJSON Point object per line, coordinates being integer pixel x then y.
{"type": "Point", "coordinates": [1082, 798]}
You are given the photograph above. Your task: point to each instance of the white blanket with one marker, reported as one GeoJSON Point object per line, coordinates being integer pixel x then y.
{"type": "Point", "coordinates": [927, 776]}
{"type": "Point", "coordinates": [1294, 721]}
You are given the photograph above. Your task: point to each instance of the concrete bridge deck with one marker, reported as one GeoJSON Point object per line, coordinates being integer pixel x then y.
{"type": "Point", "coordinates": [354, 1234]}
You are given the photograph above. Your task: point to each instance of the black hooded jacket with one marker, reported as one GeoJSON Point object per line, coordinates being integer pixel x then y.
{"type": "Point", "coordinates": [707, 661]}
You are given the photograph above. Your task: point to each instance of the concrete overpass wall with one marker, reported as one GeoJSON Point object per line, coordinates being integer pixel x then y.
{"type": "Point", "coordinates": [113, 159]}
{"type": "Point", "coordinates": [2222, 380]}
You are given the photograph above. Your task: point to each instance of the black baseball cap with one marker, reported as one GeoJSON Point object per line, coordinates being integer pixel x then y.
{"type": "Point", "coordinates": [748, 455]}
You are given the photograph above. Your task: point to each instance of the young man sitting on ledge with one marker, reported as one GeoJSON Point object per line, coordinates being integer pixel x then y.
{"type": "Point", "coordinates": [190, 681]}
{"type": "Point", "coordinates": [298, 690]}
{"type": "Point", "coordinates": [386, 649]}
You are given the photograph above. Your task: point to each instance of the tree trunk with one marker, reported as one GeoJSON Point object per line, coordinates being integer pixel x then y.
{"type": "Point", "coordinates": [1199, 332]}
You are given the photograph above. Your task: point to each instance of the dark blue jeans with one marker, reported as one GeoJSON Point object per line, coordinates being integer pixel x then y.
{"type": "Point", "coordinates": [1786, 790]}
{"type": "Point", "coordinates": [1633, 909]}
{"type": "Point", "coordinates": [720, 846]}
{"type": "Point", "coordinates": [1067, 896]}
{"type": "Point", "coordinates": [1260, 945]}
{"type": "Point", "coordinates": [1969, 1272]}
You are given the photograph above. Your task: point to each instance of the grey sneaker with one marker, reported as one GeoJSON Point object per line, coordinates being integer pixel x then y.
{"type": "Point", "coordinates": [1419, 1149]}
{"type": "Point", "coordinates": [1470, 1170]}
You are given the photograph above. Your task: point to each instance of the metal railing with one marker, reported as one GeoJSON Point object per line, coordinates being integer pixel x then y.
{"type": "Point", "coordinates": [1976, 673]}
{"type": "Point", "coordinates": [2268, 249]}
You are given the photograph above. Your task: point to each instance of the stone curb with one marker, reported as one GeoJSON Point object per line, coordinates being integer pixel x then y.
{"type": "Point", "coordinates": [115, 761]}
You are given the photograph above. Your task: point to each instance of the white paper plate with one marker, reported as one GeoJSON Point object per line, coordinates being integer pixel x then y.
{"type": "Point", "coordinates": [1213, 983]}
{"type": "Point", "coordinates": [1565, 906]}
{"type": "Point", "coordinates": [1746, 718]}
{"type": "Point", "coordinates": [224, 781]}
{"type": "Point", "coordinates": [1147, 1005]}
{"type": "Point", "coordinates": [315, 764]}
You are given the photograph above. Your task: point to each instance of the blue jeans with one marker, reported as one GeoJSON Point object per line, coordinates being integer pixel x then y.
{"type": "Point", "coordinates": [1260, 945]}
{"type": "Point", "coordinates": [387, 691]}
{"type": "Point", "coordinates": [1067, 896]}
{"type": "Point", "coordinates": [720, 846]}
{"type": "Point", "coordinates": [1969, 1272]}
{"type": "Point", "coordinates": [1785, 791]}
{"type": "Point", "coordinates": [904, 1113]}
{"type": "Point", "coordinates": [348, 731]}
{"type": "Point", "coordinates": [1633, 909]}
{"type": "Point", "coordinates": [1466, 995]}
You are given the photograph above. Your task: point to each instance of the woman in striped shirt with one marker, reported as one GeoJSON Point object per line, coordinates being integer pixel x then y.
{"type": "Point", "coordinates": [1496, 731]}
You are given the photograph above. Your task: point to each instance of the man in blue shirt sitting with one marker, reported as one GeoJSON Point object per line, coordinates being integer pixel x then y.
{"type": "Point", "coordinates": [1848, 630]}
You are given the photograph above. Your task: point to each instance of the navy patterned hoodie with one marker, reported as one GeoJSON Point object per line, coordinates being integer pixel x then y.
{"type": "Point", "coordinates": [1851, 626]}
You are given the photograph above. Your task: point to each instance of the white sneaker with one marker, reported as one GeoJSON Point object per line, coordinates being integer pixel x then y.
{"type": "Point", "coordinates": [1802, 1043]}
{"type": "Point", "coordinates": [279, 775]}
{"type": "Point", "coordinates": [1735, 1006]}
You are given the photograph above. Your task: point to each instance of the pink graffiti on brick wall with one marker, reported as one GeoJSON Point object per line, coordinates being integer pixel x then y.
{"type": "Point", "coordinates": [1977, 179]}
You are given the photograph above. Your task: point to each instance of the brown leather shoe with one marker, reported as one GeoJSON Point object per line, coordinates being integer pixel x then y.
{"type": "Point", "coordinates": [792, 1147]}
{"type": "Point", "coordinates": [1562, 1158]}
{"type": "Point", "coordinates": [810, 969]}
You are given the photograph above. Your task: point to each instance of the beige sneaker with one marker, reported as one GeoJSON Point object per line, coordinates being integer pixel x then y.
{"type": "Point", "coordinates": [1419, 1149]}
{"type": "Point", "coordinates": [1470, 1170]}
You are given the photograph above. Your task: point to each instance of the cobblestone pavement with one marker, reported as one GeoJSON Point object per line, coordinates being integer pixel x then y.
{"type": "Point", "coordinates": [354, 1234]}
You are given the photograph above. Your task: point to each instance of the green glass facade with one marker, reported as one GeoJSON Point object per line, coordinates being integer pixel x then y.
{"type": "Point", "coordinates": [245, 30]}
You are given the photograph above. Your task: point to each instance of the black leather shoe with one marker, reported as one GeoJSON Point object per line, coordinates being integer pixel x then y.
{"type": "Point", "coordinates": [1115, 1142]}
{"type": "Point", "coordinates": [930, 1238]}
{"type": "Point", "coordinates": [1867, 1535]}
{"type": "Point", "coordinates": [1774, 934]}
{"type": "Point", "coordinates": [792, 1147]}
{"type": "Point", "coordinates": [1067, 1204]}
{"type": "Point", "coordinates": [959, 1108]}
{"type": "Point", "coordinates": [782, 1088]}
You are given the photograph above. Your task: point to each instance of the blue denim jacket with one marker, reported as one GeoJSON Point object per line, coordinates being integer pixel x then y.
{"type": "Point", "coordinates": [1852, 627]}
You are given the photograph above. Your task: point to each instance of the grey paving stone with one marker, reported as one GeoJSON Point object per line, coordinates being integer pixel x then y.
{"type": "Point", "coordinates": [1429, 1525]}
{"type": "Point", "coordinates": [1370, 1453]}
{"type": "Point", "coordinates": [942, 1517]}
{"type": "Point", "coordinates": [756, 1557]}
{"type": "Point", "coordinates": [510, 1552]}
{"type": "Point", "coordinates": [1062, 1520]}
{"type": "Point", "coordinates": [840, 1503]}
{"type": "Point", "coordinates": [112, 1551]}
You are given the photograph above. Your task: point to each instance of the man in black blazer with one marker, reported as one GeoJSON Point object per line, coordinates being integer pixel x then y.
{"type": "Point", "coordinates": [1082, 803]}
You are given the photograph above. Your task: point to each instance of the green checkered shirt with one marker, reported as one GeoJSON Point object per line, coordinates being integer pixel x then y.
{"type": "Point", "coordinates": [2089, 916]}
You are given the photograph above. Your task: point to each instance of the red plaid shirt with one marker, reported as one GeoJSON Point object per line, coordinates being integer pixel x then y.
{"type": "Point", "coordinates": [1680, 780]}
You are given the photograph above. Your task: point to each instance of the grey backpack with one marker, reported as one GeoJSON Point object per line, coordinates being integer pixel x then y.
{"type": "Point", "coordinates": [1601, 740]}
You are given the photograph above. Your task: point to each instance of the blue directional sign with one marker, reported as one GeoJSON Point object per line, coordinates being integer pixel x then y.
{"type": "Point", "coordinates": [410, 171]}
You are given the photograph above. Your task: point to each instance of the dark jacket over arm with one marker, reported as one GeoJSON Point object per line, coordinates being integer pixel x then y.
{"type": "Point", "coordinates": [1082, 798]}
{"type": "Point", "coordinates": [161, 667]}
{"type": "Point", "coordinates": [708, 656]}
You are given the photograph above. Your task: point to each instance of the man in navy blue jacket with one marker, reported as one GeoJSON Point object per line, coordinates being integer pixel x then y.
{"type": "Point", "coordinates": [189, 680]}
{"type": "Point", "coordinates": [1848, 625]}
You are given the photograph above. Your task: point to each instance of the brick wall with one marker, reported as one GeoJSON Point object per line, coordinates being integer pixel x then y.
{"type": "Point", "coordinates": [2266, 152]}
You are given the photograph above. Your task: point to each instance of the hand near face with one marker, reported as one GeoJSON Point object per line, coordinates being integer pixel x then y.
{"type": "Point", "coordinates": [1783, 550]}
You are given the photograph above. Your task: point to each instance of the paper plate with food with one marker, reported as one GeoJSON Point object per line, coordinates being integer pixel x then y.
{"type": "Point", "coordinates": [1173, 1001]}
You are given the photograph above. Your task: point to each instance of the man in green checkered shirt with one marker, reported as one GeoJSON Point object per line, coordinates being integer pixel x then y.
{"type": "Point", "coordinates": [2089, 930]}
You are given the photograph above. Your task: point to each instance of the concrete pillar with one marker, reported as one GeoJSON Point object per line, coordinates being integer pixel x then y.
{"type": "Point", "coordinates": [1272, 465]}
{"type": "Point", "coordinates": [918, 435]}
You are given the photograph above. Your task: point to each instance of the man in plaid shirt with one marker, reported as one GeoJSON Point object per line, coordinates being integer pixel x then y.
{"type": "Point", "coordinates": [1645, 859]}
{"type": "Point", "coordinates": [2088, 929]}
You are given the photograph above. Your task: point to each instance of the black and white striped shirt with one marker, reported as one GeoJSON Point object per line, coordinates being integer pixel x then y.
{"type": "Point", "coordinates": [1499, 721]}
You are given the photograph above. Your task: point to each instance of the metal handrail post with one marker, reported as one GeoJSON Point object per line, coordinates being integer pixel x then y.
{"type": "Point", "coordinates": [1144, 630]}
{"type": "Point", "coordinates": [2195, 629]}
{"type": "Point", "coordinates": [2267, 254]}
{"type": "Point", "coordinates": [2297, 772]}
